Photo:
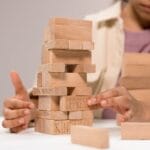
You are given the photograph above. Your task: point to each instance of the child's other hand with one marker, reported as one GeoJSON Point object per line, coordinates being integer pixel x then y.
{"type": "Point", "coordinates": [17, 109]}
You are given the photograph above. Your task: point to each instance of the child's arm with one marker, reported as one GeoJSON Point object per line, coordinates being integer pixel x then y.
{"type": "Point", "coordinates": [127, 106]}
{"type": "Point", "coordinates": [17, 109]}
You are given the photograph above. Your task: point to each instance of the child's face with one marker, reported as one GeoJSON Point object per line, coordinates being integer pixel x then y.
{"type": "Point", "coordinates": [141, 8]}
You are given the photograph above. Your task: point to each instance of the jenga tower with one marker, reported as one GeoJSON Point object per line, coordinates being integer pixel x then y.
{"type": "Point", "coordinates": [62, 77]}
{"type": "Point", "coordinates": [136, 75]}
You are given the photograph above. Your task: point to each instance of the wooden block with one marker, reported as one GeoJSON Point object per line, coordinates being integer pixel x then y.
{"type": "Point", "coordinates": [46, 36]}
{"type": "Point", "coordinates": [135, 130]}
{"type": "Point", "coordinates": [76, 115]}
{"type": "Point", "coordinates": [74, 103]}
{"type": "Point", "coordinates": [59, 68]}
{"type": "Point", "coordinates": [83, 68]}
{"type": "Point", "coordinates": [58, 127]}
{"type": "Point", "coordinates": [49, 103]}
{"type": "Point", "coordinates": [57, 44]}
{"type": "Point", "coordinates": [64, 44]}
{"type": "Point", "coordinates": [70, 32]}
{"type": "Point", "coordinates": [62, 91]}
{"type": "Point", "coordinates": [35, 101]}
{"type": "Point", "coordinates": [58, 91]}
{"type": "Point", "coordinates": [85, 122]}
{"type": "Point", "coordinates": [135, 82]}
{"type": "Point", "coordinates": [66, 57]}
{"type": "Point", "coordinates": [141, 94]}
{"type": "Point", "coordinates": [70, 21]}
{"type": "Point", "coordinates": [45, 55]}
{"type": "Point", "coordinates": [51, 80]}
{"type": "Point", "coordinates": [88, 45]}
{"type": "Point", "coordinates": [80, 45]}
{"type": "Point", "coordinates": [75, 44]}
{"type": "Point", "coordinates": [136, 59]}
{"type": "Point", "coordinates": [136, 71]}
{"type": "Point", "coordinates": [52, 67]}
{"type": "Point", "coordinates": [52, 126]}
{"type": "Point", "coordinates": [79, 91]}
{"type": "Point", "coordinates": [89, 136]}
{"type": "Point", "coordinates": [52, 115]}
{"type": "Point", "coordinates": [39, 79]}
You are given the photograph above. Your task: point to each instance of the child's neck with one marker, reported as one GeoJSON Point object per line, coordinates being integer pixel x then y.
{"type": "Point", "coordinates": [131, 20]}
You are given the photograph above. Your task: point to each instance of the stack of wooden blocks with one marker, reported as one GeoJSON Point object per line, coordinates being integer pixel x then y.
{"type": "Point", "coordinates": [136, 75]}
{"type": "Point", "coordinates": [62, 77]}
{"type": "Point", "coordinates": [136, 78]}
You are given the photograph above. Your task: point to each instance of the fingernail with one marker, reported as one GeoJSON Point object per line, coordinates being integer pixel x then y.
{"type": "Point", "coordinates": [21, 121]}
{"type": "Point", "coordinates": [26, 112]}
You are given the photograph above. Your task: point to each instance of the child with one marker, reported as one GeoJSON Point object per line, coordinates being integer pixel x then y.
{"type": "Point", "coordinates": [124, 26]}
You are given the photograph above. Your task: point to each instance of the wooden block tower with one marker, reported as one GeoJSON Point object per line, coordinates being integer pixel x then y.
{"type": "Point", "coordinates": [62, 77]}
{"type": "Point", "coordinates": [136, 75]}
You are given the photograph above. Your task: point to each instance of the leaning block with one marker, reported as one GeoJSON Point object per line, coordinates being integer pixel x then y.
{"type": "Point", "coordinates": [135, 130]}
{"type": "Point", "coordinates": [76, 115]}
{"type": "Point", "coordinates": [52, 115]}
{"type": "Point", "coordinates": [89, 136]}
{"type": "Point", "coordinates": [49, 103]}
{"type": "Point", "coordinates": [135, 82]}
{"type": "Point", "coordinates": [52, 126]}
{"type": "Point", "coordinates": [74, 103]}
{"type": "Point", "coordinates": [52, 80]}
{"type": "Point", "coordinates": [141, 94]}
{"type": "Point", "coordinates": [136, 71]}
{"type": "Point", "coordinates": [58, 91]}
{"type": "Point", "coordinates": [67, 57]}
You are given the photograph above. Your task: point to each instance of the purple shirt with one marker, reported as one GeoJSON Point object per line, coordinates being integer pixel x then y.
{"type": "Point", "coordinates": [137, 41]}
{"type": "Point", "coordinates": [134, 42]}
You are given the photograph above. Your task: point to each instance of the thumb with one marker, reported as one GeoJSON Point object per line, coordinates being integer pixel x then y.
{"type": "Point", "coordinates": [20, 90]}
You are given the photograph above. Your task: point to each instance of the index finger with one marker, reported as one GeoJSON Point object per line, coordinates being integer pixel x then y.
{"type": "Point", "coordinates": [17, 83]}
{"type": "Point", "coordinates": [115, 92]}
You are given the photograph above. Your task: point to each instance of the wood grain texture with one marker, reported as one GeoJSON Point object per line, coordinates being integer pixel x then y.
{"type": "Point", "coordinates": [135, 130]}
{"type": "Point", "coordinates": [89, 136]}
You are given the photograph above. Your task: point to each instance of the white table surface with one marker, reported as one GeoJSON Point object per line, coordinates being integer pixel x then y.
{"type": "Point", "coordinates": [30, 140]}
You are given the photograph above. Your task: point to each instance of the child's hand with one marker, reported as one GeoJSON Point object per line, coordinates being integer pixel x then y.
{"type": "Point", "coordinates": [120, 100]}
{"type": "Point", "coordinates": [17, 109]}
